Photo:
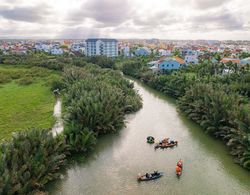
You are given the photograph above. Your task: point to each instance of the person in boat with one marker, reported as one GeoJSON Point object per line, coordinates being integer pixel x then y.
{"type": "Point", "coordinates": [172, 142]}
{"type": "Point", "coordinates": [166, 140]}
{"type": "Point", "coordinates": [156, 173]}
{"type": "Point", "coordinates": [179, 163]}
{"type": "Point", "coordinates": [147, 175]}
{"type": "Point", "coordinates": [178, 170]}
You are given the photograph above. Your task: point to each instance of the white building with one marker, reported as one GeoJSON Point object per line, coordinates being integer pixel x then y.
{"type": "Point", "coordinates": [56, 51]}
{"type": "Point", "coordinates": [106, 47]}
{"type": "Point", "coordinates": [142, 51]}
{"type": "Point", "coordinates": [191, 59]}
{"type": "Point", "coordinates": [126, 51]}
{"type": "Point", "coordinates": [164, 52]}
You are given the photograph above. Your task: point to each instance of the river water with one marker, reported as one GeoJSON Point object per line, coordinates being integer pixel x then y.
{"type": "Point", "coordinates": [58, 126]}
{"type": "Point", "coordinates": [113, 167]}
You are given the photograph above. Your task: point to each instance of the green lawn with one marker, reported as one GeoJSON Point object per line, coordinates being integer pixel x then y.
{"type": "Point", "coordinates": [25, 106]}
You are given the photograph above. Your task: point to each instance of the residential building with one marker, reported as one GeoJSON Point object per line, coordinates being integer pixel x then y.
{"type": "Point", "coordinates": [188, 52]}
{"type": "Point", "coordinates": [154, 66]}
{"type": "Point", "coordinates": [56, 51]}
{"type": "Point", "coordinates": [106, 47]}
{"type": "Point", "coordinates": [164, 52]}
{"type": "Point", "coordinates": [171, 63]}
{"type": "Point", "coordinates": [191, 59]}
{"type": "Point", "coordinates": [233, 60]}
{"type": "Point", "coordinates": [142, 51]}
{"type": "Point", "coordinates": [126, 51]}
{"type": "Point", "coordinates": [245, 61]}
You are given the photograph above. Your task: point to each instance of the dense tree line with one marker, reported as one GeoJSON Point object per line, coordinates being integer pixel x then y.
{"type": "Point", "coordinates": [96, 103]}
{"type": "Point", "coordinates": [55, 62]}
{"type": "Point", "coordinates": [214, 95]}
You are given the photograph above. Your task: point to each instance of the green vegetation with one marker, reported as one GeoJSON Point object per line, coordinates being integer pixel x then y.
{"type": "Point", "coordinates": [216, 96]}
{"type": "Point", "coordinates": [26, 99]}
{"type": "Point", "coordinates": [23, 107]}
{"type": "Point", "coordinates": [29, 160]}
{"type": "Point", "coordinates": [95, 102]}
{"type": "Point", "coordinates": [53, 62]}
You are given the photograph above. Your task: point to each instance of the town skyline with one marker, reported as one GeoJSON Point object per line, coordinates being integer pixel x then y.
{"type": "Point", "coordinates": [81, 19]}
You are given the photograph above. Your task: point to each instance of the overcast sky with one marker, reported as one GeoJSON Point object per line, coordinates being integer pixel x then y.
{"type": "Point", "coordinates": [163, 19]}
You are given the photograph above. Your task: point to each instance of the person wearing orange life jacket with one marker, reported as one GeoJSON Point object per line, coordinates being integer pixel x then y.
{"type": "Point", "coordinates": [179, 163]}
{"type": "Point", "coordinates": [178, 170]}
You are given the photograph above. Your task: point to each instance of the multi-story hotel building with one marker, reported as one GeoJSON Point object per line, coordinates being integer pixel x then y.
{"type": "Point", "coordinates": [105, 47]}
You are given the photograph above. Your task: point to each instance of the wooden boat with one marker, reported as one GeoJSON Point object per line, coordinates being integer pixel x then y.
{"type": "Point", "coordinates": [151, 176]}
{"type": "Point", "coordinates": [166, 145]}
{"type": "Point", "coordinates": [178, 173]}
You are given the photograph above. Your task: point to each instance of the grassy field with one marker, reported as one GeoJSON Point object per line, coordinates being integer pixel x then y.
{"type": "Point", "coordinates": [25, 106]}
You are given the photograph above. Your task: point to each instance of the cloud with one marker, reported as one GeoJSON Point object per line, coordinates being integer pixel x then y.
{"type": "Point", "coordinates": [105, 12]}
{"type": "Point", "coordinates": [207, 4]}
{"type": "Point", "coordinates": [160, 18]}
{"type": "Point", "coordinates": [219, 20]}
{"type": "Point", "coordinates": [26, 14]}
{"type": "Point", "coordinates": [79, 32]}
{"type": "Point", "coordinates": [181, 19]}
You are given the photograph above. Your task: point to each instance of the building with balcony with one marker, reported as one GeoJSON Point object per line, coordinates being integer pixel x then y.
{"type": "Point", "coordinates": [104, 47]}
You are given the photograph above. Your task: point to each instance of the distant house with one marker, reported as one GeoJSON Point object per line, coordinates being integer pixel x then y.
{"type": "Point", "coordinates": [154, 68]}
{"type": "Point", "coordinates": [42, 47]}
{"type": "Point", "coordinates": [142, 51]}
{"type": "Point", "coordinates": [152, 63]}
{"type": "Point", "coordinates": [188, 52]}
{"type": "Point", "coordinates": [19, 51]}
{"type": "Point", "coordinates": [164, 52]}
{"type": "Point", "coordinates": [38, 46]}
{"type": "Point", "coordinates": [125, 51]}
{"type": "Point", "coordinates": [56, 51]}
{"type": "Point", "coordinates": [191, 59]}
{"type": "Point", "coordinates": [77, 48]}
{"type": "Point", "coordinates": [245, 61]}
{"type": "Point", "coordinates": [233, 60]}
{"type": "Point", "coordinates": [171, 63]}
{"type": "Point", "coordinates": [214, 61]}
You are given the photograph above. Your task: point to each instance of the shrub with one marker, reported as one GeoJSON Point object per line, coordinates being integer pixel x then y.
{"type": "Point", "coordinates": [26, 81]}
{"type": "Point", "coordinates": [30, 160]}
{"type": "Point", "coordinates": [4, 78]}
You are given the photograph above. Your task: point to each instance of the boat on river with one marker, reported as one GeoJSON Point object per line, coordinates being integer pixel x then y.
{"type": "Point", "coordinates": [150, 139]}
{"type": "Point", "coordinates": [166, 145]}
{"type": "Point", "coordinates": [150, 176]}
{"type": "Point", "coordinates": [179, 168]}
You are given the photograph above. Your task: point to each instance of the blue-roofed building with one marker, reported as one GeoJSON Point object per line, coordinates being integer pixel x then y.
{"type": "Point", "coordinates": [188, 52]}
{"type": "Point", "coordinates": [245, 61]}
{"type": "Point", "coordinates": [99, 46]}
{"type": "Point", "coordinates": [142, 51]}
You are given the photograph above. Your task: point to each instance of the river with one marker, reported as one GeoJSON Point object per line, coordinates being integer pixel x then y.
{"type": "Point", "coordinates": [113, 166]}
